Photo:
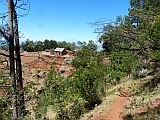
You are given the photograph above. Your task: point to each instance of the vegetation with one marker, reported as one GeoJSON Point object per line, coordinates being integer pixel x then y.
{"type": "Point", "coordinates": [5, 113]}
{"type": "Point", "coordinates": [60, 94]}
{"type": "Point", "coordinates": [130, 47]}
{"type": "Point", "coordinates": [32, 46]}
{"type": "Point", "coordinates": [85, 87]}
{"type": "Point", "coordinates": [136, 34]}
{"type": "Point", "coordinates": [72, 96]}
{"type": "Point", "coordinates": [150, 114]}
{"type": "Point", "coordinates": [10, 32]}
{"type": "Point", "coordinates": [131, 42]}
{"type": "Point", "coordinates": [89, 76]}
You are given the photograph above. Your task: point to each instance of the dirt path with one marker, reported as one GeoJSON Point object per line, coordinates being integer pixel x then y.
{"type": "Point", "coordinates": [116, 110]}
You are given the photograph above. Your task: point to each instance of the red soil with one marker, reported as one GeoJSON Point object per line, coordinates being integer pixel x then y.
{"type": "Point", "coordinates": [32, 60]}
{"type": "Point", "coordinates": [40, 65]}
{"type": "Point", "coordinates": [59, 60]}
{"type": "Point", "coordinates": [151, 104]}
{"type": "Point", "coordinates": [116, 110]}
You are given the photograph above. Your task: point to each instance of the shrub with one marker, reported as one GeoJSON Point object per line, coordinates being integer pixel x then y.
{"type": "Point", "coordinates": [89, 76]}
{"type": "Point", "coordinates": [72, 111]}
{"type": "Point", "coordinates": [5, 112]}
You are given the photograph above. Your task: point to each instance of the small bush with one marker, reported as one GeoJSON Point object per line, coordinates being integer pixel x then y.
{"type": "Point", "coordinates": [5, 112]}
{"type": "Point", "coordinates": [72, 111]}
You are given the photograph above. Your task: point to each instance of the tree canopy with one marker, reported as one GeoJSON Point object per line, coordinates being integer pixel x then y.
{"type": "Point", "coordinates": [137, 33]}
{"type": "Point", "coordinates": [34, 46]}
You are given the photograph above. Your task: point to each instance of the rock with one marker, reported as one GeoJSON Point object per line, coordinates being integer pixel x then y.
{"type": "Point", "coordinates": [41, 74]}
{"type": "Point", "coordinates": [143, 72]}
{"type": "Point", "coordinates": [67, 60]}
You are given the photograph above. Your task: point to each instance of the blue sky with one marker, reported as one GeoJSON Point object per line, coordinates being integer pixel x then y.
{"type": "Point", "coordinates": [68, 19]}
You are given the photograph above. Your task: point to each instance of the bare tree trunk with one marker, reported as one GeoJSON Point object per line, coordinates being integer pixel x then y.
{"type": "Point", "coordinates": [12, 60]}
{"type": "Point", "coordinates": [20, 97]}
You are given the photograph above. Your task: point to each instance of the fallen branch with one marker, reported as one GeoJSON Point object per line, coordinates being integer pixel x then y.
{"type": "Point", "coordinates": [3, 54]}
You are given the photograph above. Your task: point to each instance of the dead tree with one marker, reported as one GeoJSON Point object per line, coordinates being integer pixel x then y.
{"type": "Point", "coordinates": [20, 97]}
{"type": "Point", "coordinates": [11, 57]}
{"type": "Point", "coordinates": [21, 104]}
{"type": "Point", "coordinates": [11, 35]}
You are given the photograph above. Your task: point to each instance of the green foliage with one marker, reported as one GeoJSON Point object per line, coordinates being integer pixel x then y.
{"type": "Point", "coordinates": [5, 112]}
{"type": "Point", "coordinates": [39, 46]}
{"type": "Point", "coordinates": [85, 56]}
{"type": "Point", "coordinates": [132, 42]}
{"type": "Point", "coordinates": [127, 42]}
{"type": "Point", "coordinates": [48, 44]}
{"type": "Point", "coordinates": [72, 96]}
{"type": "Point", "coordinates": [32, 46]}
{"type": "Point", "coordinates": [60, 93]}
{"type": "Point", "coordinates": [67, 45]}
{"type": "Point", "coordinates": [81, 44]}
{"type": "Point", "coordinates": [123, 63]}
{"type": "Point", "coordinates": [71, 111]}
{"type": "Point", "coordinates": [89, 75]}
{"type": "Point", "coordinates": [135, 37]}
{"type": "Point", "coordinates": [88, 83]}
{"type": "Point", "coordinates": [155, 32]}
{"type": "Point", "coordinates": [28, 45]}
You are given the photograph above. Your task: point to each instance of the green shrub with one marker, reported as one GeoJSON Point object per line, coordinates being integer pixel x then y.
{"type": "Point", "coordinates": [59, 92]}
{"type": "Point", "coordinates": [72, 111]}
{"type": "Point", "coordinates": [5, 112]}
{"type": "Point", "coordinates": [89, 76]}
{"type": "Point", "coordinates": [89, 85]}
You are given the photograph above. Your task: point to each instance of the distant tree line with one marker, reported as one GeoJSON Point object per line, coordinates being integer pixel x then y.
{"type": "Point", "coordinates": [34, 46]}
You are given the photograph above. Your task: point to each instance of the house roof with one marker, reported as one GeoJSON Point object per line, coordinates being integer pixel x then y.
{"type": "Point", "coordinates": [59, 49]}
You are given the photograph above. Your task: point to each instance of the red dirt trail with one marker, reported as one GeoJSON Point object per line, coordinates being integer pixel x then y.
{"type": "Point", "coordinates": [116, 110]}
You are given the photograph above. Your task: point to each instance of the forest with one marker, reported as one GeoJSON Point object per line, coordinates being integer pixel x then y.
{"type": "Point", "coordinates": [119, 82]}
{"type": "Point", "coordinates": [31, 46]}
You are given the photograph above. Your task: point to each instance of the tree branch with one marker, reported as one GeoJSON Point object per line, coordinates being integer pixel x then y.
{"type": "Point", "coordinates": [4, 35]}
{"type": "Point", "coordinates": [3, 54]}
{"type": "Point", "coordinates": [131, 49]}
{"type": "Point", "coordinates": [154, 48]}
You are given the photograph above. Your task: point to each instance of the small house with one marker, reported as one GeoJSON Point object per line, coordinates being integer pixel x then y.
{"type": "Point", "coordinates": [60, 51]}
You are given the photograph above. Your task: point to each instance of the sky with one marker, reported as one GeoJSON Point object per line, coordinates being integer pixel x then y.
{"type": "Point", "coordinates": [68, 20]}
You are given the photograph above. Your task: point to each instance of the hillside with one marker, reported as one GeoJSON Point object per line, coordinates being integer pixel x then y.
{"type": "Point", "coordinates": [129, 101]}
{"type": "Point", "coordinates": [36, 66]}
{"type": "Point", "coordinates": [65, 78]}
